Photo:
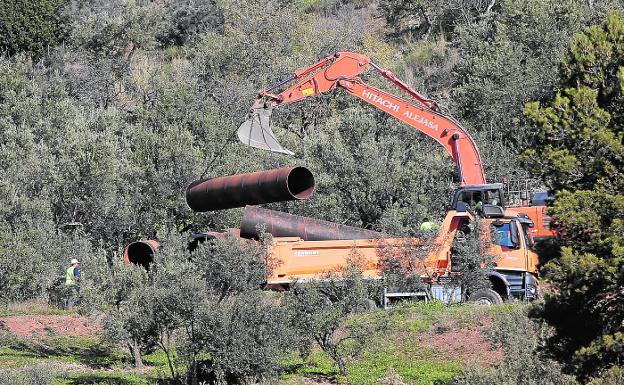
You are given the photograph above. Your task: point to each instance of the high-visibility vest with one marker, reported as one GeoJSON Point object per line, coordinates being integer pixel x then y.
{"type": "Point", "coordinates": [70, 278]}
{"type": "Point", "coordinates": [429, 226]}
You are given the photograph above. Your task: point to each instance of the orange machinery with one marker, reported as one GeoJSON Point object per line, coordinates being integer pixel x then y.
{"type": "Point", "coordinates": [514, 276]}
{"type": "Point", "coordinates": [516, 269]}
{"type": "Point", "coordinates": [341, 71]}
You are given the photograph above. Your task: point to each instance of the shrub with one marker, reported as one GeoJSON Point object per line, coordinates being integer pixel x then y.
{"type": "Point", "coordinates": [29, 375]}
{"type": "Point", "coordinates": [320, 311]}
{"type": "Point", "coordinates": [520, 339]}
{"type": "Point", "coordinates": [30, 26]}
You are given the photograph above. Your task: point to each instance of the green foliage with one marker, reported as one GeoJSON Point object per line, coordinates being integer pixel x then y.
{"type": "Point", "coordinates": [104, 377]}
{"type": "Point", "coordinates": [612, 376]}
{"type": "Point", "coordinates": [390, 368]}
{"type": "Point", "coordinates": [595, 60]}
{"type": "Point", "coordinates": [227, 327]}
{"type": "Point", "coordinates": [185, 20]}
{"type": "Point", "coordinates": [231, 266]}
{"type": "Point", "coordinates": [33, 264]}
{"type": "Point", "coordinates": [586, 153]}
{"type": "Point", "coordinates": [243, 338]}
{"type": "Point", "coordinates": [319, 312]}
{"type": "Point", "coordinates": [370, 168]}
{"type": "Point", "coordinates": [143, 97]}
{"type": "Point", "coordinates": [129, 320]}
{"type": "Point", "coordinates": [31, 26]}
{"type": "Point", "coordinates": [27, 376]}
{"type": "Point", "coordinates": [470, 260]}
{"type": "Point", "coordinates": [421, 19]}
{"type": "Point", "coordinates": [578, 152]}
{"type": "Point", "coordinates": [207, 312]}
{"type": "Point", "coordinates": [510, 58]}
{"type": "Point", "coordinates": [520, 339]}
{"type": "Point", "coordinates": [400, 353]}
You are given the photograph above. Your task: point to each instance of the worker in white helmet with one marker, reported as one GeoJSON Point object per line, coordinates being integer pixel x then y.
{"type": "Point", "coordinates": [72, 279]}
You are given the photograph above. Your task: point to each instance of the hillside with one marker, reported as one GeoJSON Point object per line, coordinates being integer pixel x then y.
{"type": "Point", "coordinates": [110, 109]}
{"type": "Point", "coordinates": [423, 344]}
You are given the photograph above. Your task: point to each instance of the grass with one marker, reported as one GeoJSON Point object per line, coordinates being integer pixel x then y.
{"type": "Point", "coordinates": [396, 356]}
{"type": "Point", "coordinates": [32, 308]}
{"type": "Point", "coordinates": [397, 353]}
{"type": "Point", "coordinates": [382, 364]}
{"type": "Point", "coordinates": [91, 361]}
{"type": "Point", "coordinates": [104, 378]}
{"type": "Point", "coordinates": [80, 360]}
{"type": "Point", "coordinates": [374, 365]}
{"type": "Point", "coordinates": [89, 352]}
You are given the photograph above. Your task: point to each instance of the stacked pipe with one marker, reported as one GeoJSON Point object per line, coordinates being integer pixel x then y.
{"type": "Point", "coordinates": [243, 190]}
{"type": "Point", "coordinates": [281, 224]}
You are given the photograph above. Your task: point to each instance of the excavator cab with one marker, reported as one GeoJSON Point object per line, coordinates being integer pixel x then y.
{"type": "Point", "coordinates": [477, 196]}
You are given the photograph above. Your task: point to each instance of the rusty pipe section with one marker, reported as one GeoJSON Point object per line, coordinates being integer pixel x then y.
{"type": "Point", "coordinates": [141, 252]}
{"type": "Point", "coordinates": [197, 238]}
{"type": "Point", "coordinates": [281, 224]}
{"type": "Point", "coordinates": [226, 192]}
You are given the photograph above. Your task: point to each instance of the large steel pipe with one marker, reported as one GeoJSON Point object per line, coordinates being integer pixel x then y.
{"type": "Point", "coordinates": [226, 192]}
{"type": "Point", "coordinates": [196, 238]}
{"type": "Point", "coordinates": [287, 225]}
{"type": "Point", "coordinates": [141, 252]}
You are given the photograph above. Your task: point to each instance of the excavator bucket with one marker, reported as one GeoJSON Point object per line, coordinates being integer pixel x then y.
{"type": "Point", "coordinates": [256, 132]}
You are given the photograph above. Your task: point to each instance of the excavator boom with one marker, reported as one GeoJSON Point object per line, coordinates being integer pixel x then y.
{"type": "Point", "coordinates": [342, 70]}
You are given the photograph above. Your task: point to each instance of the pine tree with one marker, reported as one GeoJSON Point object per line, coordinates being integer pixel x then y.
{"type": "Point", "coordinates": [577, 150]}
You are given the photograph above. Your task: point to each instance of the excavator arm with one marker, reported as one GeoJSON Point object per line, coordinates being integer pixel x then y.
{"type": "Point", "coordinates": [342, 70]}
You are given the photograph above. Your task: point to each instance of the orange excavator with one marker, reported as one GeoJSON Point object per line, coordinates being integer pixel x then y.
{"type": "Point", "coordinates": [341, 71]}
{"type": "Point", "coordinates": [516, 271]}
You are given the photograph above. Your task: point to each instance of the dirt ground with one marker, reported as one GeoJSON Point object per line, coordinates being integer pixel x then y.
{"type": "Point", "coordinates": [32, 326]}
{"type": "Point", "coordinates": [468, 343]}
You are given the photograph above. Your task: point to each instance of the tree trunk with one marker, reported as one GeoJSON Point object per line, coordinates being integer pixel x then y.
{"type": "Point", "coordinates": [170, 363]}
{"type": "Point", "coordinates": [341, 365]}
{"type": "Point", "coordinates": [332, 351]}
{"type": "Point", "coordinates": [136, 353]}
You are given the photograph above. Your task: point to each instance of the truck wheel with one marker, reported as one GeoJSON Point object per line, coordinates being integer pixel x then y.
{"type": "Point", "coordinates": [369, 304]}
{"type": "Point", "coordinates": [486, 297]}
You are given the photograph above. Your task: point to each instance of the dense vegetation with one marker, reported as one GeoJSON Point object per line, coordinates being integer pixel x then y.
{"type": "Point", "coordinates": [578, 151]}
{"type": "Point", "coordinates": [109, 108]}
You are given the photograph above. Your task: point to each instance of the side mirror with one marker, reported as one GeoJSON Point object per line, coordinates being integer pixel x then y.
{"type": "Point", "coordinates": [515, 239]}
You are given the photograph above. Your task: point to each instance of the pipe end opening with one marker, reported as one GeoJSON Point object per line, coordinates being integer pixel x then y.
{"type": "Point", "coordinates": [139, 253]}
{"type": "Point", "coordinates": [301, 183]}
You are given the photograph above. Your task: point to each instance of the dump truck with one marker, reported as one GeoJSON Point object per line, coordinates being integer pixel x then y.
{"type": "Point", "coordinates": [514, 272]}
{"type": "Point", "coordinates": [305, 249]}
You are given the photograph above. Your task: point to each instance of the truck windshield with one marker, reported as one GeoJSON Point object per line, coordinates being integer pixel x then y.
{"type": "Point", "coordinates": [502, 235]}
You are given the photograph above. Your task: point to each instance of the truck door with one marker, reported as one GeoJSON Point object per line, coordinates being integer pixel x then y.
{"type": "Point", "coordinates": [507, 236]}
{"type": "Point", "coordinates": [463, 232]}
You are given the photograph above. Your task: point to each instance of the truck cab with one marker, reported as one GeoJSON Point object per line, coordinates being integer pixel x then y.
{"type": "Point", "coordinates": [515, 264]}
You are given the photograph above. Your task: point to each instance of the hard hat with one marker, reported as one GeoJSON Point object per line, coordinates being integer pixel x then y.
{"type": "Point", "coordinates": [74, 261]}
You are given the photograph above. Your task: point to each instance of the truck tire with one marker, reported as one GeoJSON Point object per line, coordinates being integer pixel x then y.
{"type": "Point", "coordinates": [370, 304]}
{"type": "Point", "coordinates": [486, 297]}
